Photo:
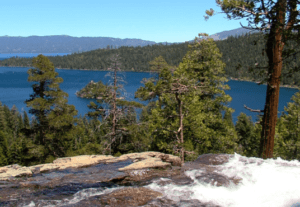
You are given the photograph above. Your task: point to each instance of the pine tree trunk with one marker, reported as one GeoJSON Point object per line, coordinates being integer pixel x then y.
{"type": "Point", "coordinates": [274, 50]}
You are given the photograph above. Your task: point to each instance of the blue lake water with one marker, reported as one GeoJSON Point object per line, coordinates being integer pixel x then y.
{"type": "Point", "coordinates": [14, 90]}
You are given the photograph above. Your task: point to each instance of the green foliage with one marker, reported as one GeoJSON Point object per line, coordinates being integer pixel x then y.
{"type": "Point", "coordinates": [228, 118]}
{"type": "Point", "coordinates": [26, 120]}
{"type": "Point", "coordinates": [91, 90]}
{"type": "Point", "coordinates": [203, 63]}
{"type": "Point", "coordinates": [120, 113]}
{"type": "Point", "coordinates": [247, 138]}
{"type": "Point", "coordinates": [288, 131]}
{"type": "Point", "coordinates": [4, 153]}
{"type": "Point", "coordinates": [118, 154]}
{"type": "Point", "coordinates": [49, 159]}
{"type": "Point", "coordinates": [2, 118]}
{"type": "Point", "coordinates": [200, 94]}
{"type": "Point", "coordinates": [49, 105]}
{"type": "Point", "coordinates": [133, 58]}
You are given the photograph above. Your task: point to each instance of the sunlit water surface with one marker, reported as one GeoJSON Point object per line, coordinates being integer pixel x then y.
{"type": "Point", "coordinates": [15, 89]}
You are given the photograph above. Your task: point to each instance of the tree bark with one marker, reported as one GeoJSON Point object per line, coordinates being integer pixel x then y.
{"type": "Point", "coordinates": [274, 50]}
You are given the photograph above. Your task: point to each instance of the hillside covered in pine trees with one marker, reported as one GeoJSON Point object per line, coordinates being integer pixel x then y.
{"type": "Point", "coordinates": [239, 54]}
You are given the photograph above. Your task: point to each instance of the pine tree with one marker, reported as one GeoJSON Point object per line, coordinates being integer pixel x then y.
{"type": "Point", "coordinates": [228, 118]}
{"type": "Point", "coordinates": [186, 106]}
{"type": "Point", "coordinates": [14, 120]}
{"type": "Point", "coordinates": [4, 153]}
{"type": "Point", "coordinates": [205, 125]}
{"type": "Point", "coordinates": [111, 95]}
{"type": "Point", "coordinates": [26, 120]}
{"type": "Point", "coordinates": [289, 129]}
{"type": "Point", "coordinates": [49, 105]}
{"type": "Point", "coordinates": [248, 140]}
{"type": "Point", "coordinates": [2, 118]}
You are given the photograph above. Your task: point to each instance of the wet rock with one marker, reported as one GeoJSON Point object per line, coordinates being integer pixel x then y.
{"type": "Point", "coordinates": [93, 174]}
{"type": "Point", "coordinates": [181, 180]}
{"type": "Point", "coordinates": [146, 176]}
{"type": "Point", "coordinates": [213, 159]}
{"type": "Point", "coordinates": [66, 177]}
{"type": "Point", "coordinates": [129, 197]}
{"type": "Point", "coordinates": [208, 166]}
{"type": "Point", "coordinates": [163, 202]}
{"type": "Point", "coordinates": [214, 179]}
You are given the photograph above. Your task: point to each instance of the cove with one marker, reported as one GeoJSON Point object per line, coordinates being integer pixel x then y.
{"type": "Point", "coordinates": [15, 90]}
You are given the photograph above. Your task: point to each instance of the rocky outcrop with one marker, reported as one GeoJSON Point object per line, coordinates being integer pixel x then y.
{"type": "Point", "coordinates": [141, 161]}
{"type": "Point", "coordinates": [99, 180]}
{"type": "Point", "coordinates": [13, 171]}
{"type": "Point", "coordinates": [148, 160]}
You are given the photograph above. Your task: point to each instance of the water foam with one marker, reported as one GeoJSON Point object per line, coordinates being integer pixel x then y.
{"type": "Point", "coordinates": [270, 182]}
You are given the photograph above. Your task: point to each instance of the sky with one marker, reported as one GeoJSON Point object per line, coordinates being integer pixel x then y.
{"type": "Point", "coordinates": [155, 20]}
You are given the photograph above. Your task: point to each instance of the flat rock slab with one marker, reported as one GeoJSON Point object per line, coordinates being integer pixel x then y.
{"type": "Point", "coordinates": [130, 173]}
{"type": "Point", "coordinates": [141, 161]}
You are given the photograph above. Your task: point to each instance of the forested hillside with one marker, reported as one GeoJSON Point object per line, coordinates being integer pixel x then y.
{"type": "Point", "coordinates": [239, 53]}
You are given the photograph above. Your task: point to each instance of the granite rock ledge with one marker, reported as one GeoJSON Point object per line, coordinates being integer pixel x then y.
{"type": "Point", "coordinates": [141, 160]}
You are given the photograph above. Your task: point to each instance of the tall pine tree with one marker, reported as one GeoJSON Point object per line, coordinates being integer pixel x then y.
{"type": "Point", "coordinates": [48, 103]}
{"type": "Point", "coordinates": [186, 117]}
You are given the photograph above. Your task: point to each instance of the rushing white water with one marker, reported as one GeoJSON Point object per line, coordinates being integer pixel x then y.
{"type": "Point", "coordinates": [270, 182]}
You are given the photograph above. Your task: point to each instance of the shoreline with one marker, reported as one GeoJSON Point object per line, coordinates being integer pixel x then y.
{"type": "Point", "coordinates": [229, 78]}
{"type": "Point", "coordinates": [257, 82]}
{"type": "Point", "coordinates": [76, 69]}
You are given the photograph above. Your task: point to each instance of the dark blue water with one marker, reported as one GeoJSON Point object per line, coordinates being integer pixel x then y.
{"type": "Point", "coordinates": [14, 90]}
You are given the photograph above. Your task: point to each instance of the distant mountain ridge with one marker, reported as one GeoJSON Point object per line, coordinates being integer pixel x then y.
{"type": "Point", "coordinates": [225, 34]}
{"type": "Point", "coordinates": [235, 32]}
{"type": "Point", "coordinates": [69, 44]}
{"type": "Point", "coordinates": [63, 43]}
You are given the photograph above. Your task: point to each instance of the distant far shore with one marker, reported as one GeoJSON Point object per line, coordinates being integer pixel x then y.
{"type": "Point", "coordinates": [257, 82]}
{"type": "Point", "coordinates": [230, 78]}
{"type": "Point", "coordinates": [77, 69]}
